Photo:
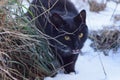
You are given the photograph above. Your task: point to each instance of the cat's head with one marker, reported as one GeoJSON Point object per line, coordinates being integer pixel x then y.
{"type": "Point", "coordinates": [71, 31]}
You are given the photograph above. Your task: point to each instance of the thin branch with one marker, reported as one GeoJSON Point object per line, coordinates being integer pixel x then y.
{"type": "Point", "coordinates": [102, 66]}
{"type": "Point", "coordinates": [114, 11]}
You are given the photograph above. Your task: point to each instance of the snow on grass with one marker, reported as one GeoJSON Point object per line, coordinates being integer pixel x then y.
{"type": "Point", "coordinates": [99, 20]}
{"type": "Point", "coordinates": [95, 20]}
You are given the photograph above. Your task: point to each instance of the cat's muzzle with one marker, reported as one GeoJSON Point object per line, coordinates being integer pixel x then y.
{"type": "Point", "coordinates": [66, 51]}
{"type": "Point", "coordinates": [69, 51]}
{"type": "Point", "coordinates": [77, 51]}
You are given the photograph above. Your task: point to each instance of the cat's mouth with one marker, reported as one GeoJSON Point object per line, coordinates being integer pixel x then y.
{"type": "Point", "coordinates": [77, 51]}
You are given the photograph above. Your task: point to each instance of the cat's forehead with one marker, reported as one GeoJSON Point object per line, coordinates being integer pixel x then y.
{"type": "Point", "coordinates": [70, 25]}
{"type": "Point", "coordinates": [73, 29]}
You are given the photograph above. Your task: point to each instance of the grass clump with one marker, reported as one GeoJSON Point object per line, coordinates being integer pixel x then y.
{"type": "Point", "coordinates": [105, 40]}
{"type": "Point", "coordinates": [95, 6]}
{"type": "Point", "coordinates": [24, 50]}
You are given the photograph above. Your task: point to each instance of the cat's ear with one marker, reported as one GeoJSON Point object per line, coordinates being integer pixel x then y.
{"type": "Point", "coordinates": [57, 20]}
{"type": "Point", "coordinates": [81, 17]}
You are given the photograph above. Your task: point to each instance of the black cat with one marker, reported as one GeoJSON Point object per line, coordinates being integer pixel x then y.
{"type": "Point", "coordinates": [60, 20]}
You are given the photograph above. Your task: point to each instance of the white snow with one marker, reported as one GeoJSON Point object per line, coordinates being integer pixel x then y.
{"type": "Point", "coordinates": [94, 65]}
{"type": "Point", "coordinates": [89, 66]}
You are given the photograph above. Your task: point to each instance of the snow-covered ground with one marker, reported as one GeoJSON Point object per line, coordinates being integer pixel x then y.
{"type": "Point", "coordinates": [94, 65]}
{"type": "Point", "coordinates": [89, 66]}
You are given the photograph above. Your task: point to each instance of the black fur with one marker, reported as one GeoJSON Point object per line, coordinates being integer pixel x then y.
{"type": "Point", "coordinates": [61, 21]}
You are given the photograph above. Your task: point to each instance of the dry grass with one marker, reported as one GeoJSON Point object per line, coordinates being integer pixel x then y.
{"type": "Point", "coordinates": [95, 6]}
{"type": "Point", "coordinates": [105, 40]}
{"type": "Point", "coordinates": [24, 50]}
{"type": "Point", "coordinates": [117, 17]}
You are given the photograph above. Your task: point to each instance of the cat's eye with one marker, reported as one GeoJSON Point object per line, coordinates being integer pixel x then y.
{"type": "Point", "coordinates": [67, 38]}
{"type": "Point", "coordinates": [80, 35]}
